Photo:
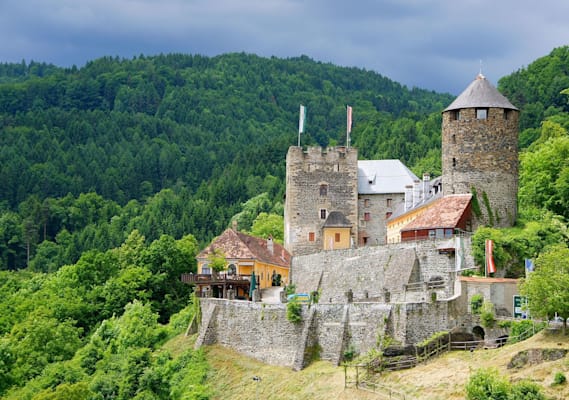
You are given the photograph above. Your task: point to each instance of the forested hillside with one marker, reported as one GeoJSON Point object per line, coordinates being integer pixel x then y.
{"type": "Point", "coordinates": [114, 175]}
{"type": "Point", "coordinates": [174, 144]}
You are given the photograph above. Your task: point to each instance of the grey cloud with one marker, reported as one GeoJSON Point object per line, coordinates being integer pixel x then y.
{"type": "Point", "coordinates": [434, 44]}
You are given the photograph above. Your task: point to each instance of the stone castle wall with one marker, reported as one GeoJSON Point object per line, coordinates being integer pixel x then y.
{"type": "Point", "coordinates": [306, 172]}
{"type": "Point", "coordinates": [326, 330]}
{"type": "Point", "coordinates": [257, 330]}
{"type": "Point", "coordinates": [369, 271]}
{"type": "Point", "coordinates": [483, 154]}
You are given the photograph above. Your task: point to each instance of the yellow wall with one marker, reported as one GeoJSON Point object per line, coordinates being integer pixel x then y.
{"type": "Point", "coordinates": [264, 274]}
{"type": "Point", "coordinates": [263, 271]}
{"type": "Point", "coordinates": [395, 225]}
{"type": "Point", "coordinates": [329, 238]}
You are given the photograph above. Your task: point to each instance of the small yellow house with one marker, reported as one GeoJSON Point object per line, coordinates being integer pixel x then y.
{"type": "Point", "coordinates": [244, 254]}
{"type": "Point", "coordinates": [336, 232]}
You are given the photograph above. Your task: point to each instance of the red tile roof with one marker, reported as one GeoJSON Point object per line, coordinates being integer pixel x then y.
{"type": "Point", "coordinates": [238, 245]}
{"type": "Point", "coordinates": [443, 213]}
{"type": "Point", "coordinates": [482, 279]}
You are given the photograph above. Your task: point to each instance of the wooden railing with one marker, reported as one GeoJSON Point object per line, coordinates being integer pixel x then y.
{"type": "Point", "coordinates": [214, 278]}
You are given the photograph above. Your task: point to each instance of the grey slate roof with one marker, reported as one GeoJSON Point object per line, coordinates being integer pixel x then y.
{"type": "Point", "coordinates": [337, 219]}
{"type": "Point", "coordinates": [480, 93]}
{"type": "Point", "coordinates": [383, 176]}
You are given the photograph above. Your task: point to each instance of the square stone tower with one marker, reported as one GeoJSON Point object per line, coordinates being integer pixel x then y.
{"type": "Point", "coordinates": [318, 182]}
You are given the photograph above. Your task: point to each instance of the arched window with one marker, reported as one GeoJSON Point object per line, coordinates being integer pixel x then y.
{"type": "Point", "coordinates": [232, 269]}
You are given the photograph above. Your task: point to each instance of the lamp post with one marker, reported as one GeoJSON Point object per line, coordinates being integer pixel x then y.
{"type": "Point", "coordinates": [257, 379]}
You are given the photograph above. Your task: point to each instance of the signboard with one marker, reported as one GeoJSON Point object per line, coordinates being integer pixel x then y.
{"type": "Point", "coordinates": [520, 310]}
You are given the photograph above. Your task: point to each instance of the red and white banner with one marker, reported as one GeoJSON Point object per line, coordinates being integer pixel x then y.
{"type": "Point", "coordinates": [489, 251]}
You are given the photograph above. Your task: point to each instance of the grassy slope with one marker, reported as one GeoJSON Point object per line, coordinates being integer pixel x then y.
{"type": "Point", "coordinates": [445, 377]}
{"type": "Point", "coordinates": [441, 378]}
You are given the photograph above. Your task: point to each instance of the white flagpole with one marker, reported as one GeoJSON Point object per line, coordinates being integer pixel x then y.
{"type": "Point", "coordinates": [301, 122]}
{"type": "Point", "coordinates": [486, 258]}
{"type": "Point", "coordinates": [348, 125]}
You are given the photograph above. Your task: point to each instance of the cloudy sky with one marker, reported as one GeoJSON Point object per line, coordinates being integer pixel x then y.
{"type": "Point", "coordinates": [432, 44]}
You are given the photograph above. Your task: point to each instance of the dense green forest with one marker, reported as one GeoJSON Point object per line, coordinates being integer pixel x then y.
{"type": "Point", "coordinates": [175, 144]}
{"type": "Point", "coordinates": [116, 174]}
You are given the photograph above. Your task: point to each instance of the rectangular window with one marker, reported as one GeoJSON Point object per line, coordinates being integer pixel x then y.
{"type": "Point", "coordinates": [311, 236]}
{"type": "Point", "coordinates": [389, 202]}
{"type": "Point", "coordinates": [323, 190]}
{"type": "Point", "coordinates": [367, 216]}
{"type": "Point", "coordinates": [455, 115]}
{"type": "Point", "coordinates": [481, 113]}
{"type": "Point", "coordinates": [366, 203]}
{"type": "Point", "coordinates": [507, 114]}
{"type": "Point", "coordinates": [448, 232]}
{"type": "Point", "coordinates": [322, 213]}
{"type": "Point", "coordinates": [431, 234]}
{"type": "Point", "coordinates": [337, 237]}
{"type": "Point", "coordinates": [440, 233]}
{"type": "Point", "coordinates": [206, 271]}
{"type": "Point", "coordinates": [365, 239]}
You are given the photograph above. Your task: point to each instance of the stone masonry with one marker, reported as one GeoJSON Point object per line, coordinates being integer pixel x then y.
{"type": "Point", "coordinates": [483, 154]}
{"type": "Point", "coordinates": [408, 313]}
{"type": "Point", "coordinates": [318, 181]}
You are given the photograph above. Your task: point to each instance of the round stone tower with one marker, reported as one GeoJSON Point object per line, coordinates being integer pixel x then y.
{"type": "Point", "coordinates": [480, 153]}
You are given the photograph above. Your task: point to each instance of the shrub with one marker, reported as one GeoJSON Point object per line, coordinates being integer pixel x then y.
{"type": "Point", "coordinates": [350, 353]}
{"type": "Point", "coordinates": [559, 378]}
{"type": "Point", "coordinates": [520, 330]}
{"type": "Point", "coordinates": [490, 385]}
{"type": "Point", "coordinates": [314, 297]}
{"type": "Point", "coordinates": [476, 303]}
{"type": "Point", "coordinates": [294, 311]}
{"type": "Point", "coordinates": [487, 318]}
{"type": "Point", "coordinates": [526, 390]}
{"type": "Point", "coordinates": [487, 384]}
{"type": "Point", "coordinates": [290, 289]}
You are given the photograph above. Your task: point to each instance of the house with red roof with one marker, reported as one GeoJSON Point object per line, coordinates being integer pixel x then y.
{"type": "Point", "coordinates": [438, 219]}
{"type": "Point", "coordinates": [245, 256]}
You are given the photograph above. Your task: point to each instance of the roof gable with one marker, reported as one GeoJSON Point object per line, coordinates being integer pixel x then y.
{"type": "Point", "coordinates": [238, 245]}
{"type": "Point", "coordinates": [445, 212]}
{"type": "Point", "coordinates": [383, 176]}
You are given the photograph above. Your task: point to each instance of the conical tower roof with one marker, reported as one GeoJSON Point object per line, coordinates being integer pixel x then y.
{"type": "Point", "coordinates": [480, 93]}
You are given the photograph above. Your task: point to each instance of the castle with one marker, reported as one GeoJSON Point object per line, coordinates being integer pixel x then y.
{"type": "Point", "coordinates": [338, 214]}
{"type": "Point", "coordinates": [335, 201]}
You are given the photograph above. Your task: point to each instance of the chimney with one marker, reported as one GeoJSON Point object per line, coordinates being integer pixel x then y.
{"type": "Point", "coordinates": [416, 192]}
{"type": "Point", "coordinates": [408, 197]}
{"type": "Point", "coordinates": [426, 185]}
{"type": "Point", "coordinates": [270, 244]}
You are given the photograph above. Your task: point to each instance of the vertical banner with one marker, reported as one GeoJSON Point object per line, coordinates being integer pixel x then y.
{"type": "Point", "coordinates": [489, 251]}
{"type": "Point", "coordinates": [301, 122]}
{"type": "Point", "coordinates": [348, 125]}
